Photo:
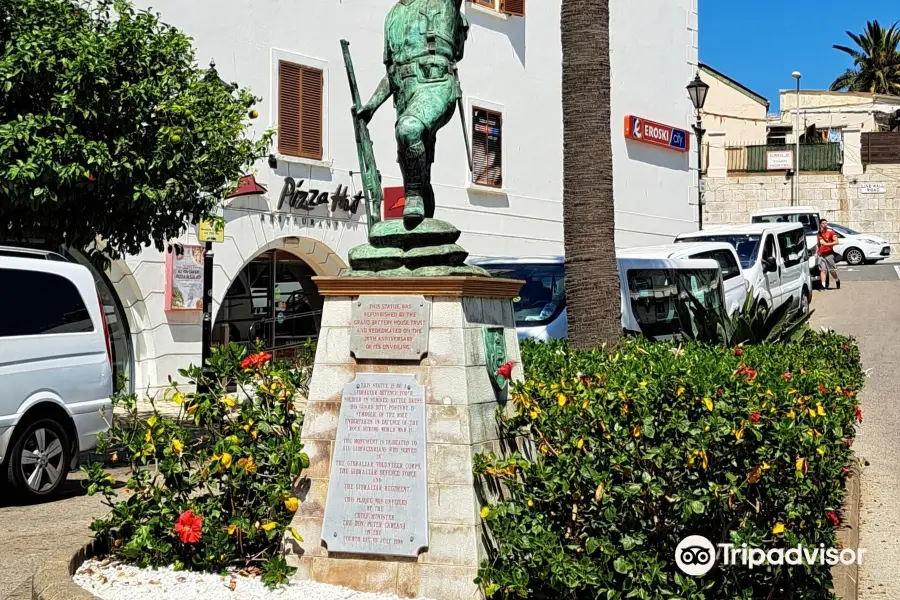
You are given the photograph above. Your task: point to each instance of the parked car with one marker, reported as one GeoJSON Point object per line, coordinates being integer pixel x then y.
{"type": "Point", "coordinates": [773, 260]}
{"type": "Point", "coordinates": [808, 216]}
{"type": "Point", "coordinates": [55, 369]}
{"type": "Point", "coordinates": [651, 290]}
{"type": "Point", "coordinates": [857, 248]}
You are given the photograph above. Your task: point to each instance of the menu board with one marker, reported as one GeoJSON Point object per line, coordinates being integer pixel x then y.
{"type": "Point", "coordinates": [184, 279]}
{"type": "Point", "coordinates": [390, 327]}
{"type": "Point", "coordinates": [377, 495]}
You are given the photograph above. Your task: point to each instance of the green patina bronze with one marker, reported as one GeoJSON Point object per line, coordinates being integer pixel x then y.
{"type": "Point", "coordinates": [423, 42]}
{"type": "Point", "coordinates": [495, 355]}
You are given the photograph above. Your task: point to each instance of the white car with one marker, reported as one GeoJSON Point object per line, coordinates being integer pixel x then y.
{"type": "Point", "coordinates": [651, 290]}
{"type": "Point", "coordinates": [55, 369]}
{"type": "Point", "coordinates": [773, 260]}
{"type": "Point", "coordinates": [857, 248]}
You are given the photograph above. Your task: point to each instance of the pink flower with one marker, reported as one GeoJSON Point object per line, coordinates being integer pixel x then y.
{"type": "Point", "coordinates": [847, 441]}
{"type": "Point", "coordinates": [505, 371]}
{"type": "Point", "coordinates": [859, 414]}
{"type": "Point", "coordinates": [738, 351]}
{"type": "Point", "coordinates": [188, 527]}
{"type": "Point", "coordinates": [787, 376]}
{"type": "Point", "coordinates": [754, 416]}
{"type": "Point", "coordinates": [832, 517]}
{"type": "Point", "coordinates": [823, 389]}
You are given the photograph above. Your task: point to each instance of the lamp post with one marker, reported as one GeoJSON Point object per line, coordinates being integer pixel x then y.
{"type": "Point", "coordinates": [697, 90]}
{"type": "Point", "coordinates": [795, 197]}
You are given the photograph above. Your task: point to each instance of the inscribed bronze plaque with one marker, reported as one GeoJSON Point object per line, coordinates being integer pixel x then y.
{"type": "Point", "coordinates": [377, 496]}
{"type": "Point", "coordinates": [390, 327]}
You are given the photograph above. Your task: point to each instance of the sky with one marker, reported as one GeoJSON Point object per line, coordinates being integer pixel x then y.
{"type": "Point", "coordinates": [761, 42]}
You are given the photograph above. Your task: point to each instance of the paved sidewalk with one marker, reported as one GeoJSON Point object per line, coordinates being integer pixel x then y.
{"type": "Point", "coordinates": [870, 310]}
{"type": "Point", "coordinates": [28, 532]}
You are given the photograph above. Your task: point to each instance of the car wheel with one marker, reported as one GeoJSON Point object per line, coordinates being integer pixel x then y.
{"type": "Point", "coordinates": [804, 303]}
{"type": "Point", "coordinates": [39, 461]}
{"type": "Point", "coordinates": [854, 256]}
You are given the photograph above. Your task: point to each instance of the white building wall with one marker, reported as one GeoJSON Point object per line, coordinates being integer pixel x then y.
{"type": "Point", "coordinates": [512, 64]}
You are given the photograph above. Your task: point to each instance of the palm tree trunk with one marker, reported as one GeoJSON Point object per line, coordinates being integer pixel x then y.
{"type": "Point", "coordinates": [592, 279]}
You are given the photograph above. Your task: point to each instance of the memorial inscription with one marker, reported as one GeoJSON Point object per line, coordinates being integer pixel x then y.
{"type": "Point", "coordinates": [377, 496]}
{"type": "Point", "coordinates": [390, 327]}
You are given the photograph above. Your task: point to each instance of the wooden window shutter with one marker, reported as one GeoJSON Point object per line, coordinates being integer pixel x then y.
{"type": "Point", "coordinates": [488, 3]}
{"type": "Point", "coordinates": [487, 147]}
{"type": "Point", "coordinates": [513, 7]}
{"type": "Point", "coordinates": [299, 111]}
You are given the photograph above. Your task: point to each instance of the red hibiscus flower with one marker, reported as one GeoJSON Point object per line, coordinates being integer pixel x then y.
{"type": "Point", "coordinates": [505, 371]}
{"type": "Point", "coordinates": [847, 441]}
{"type": "Point", "coordinates": [751, 374]}
{"type": "Point", "coordinates": [823, 389]}
{"type": "Point", "coordinates": [845, 470]}
{"type": "Point", "coordinates": [738, 351]}
{"type": "Point", "coordinates": [787, 376]}
{"type": "Point", "coordinates": [832, 517]}
{"type": "Point", "coordinates": [859, 414]}
{"type": "Point", "coordinates": [255, 360]}
{"type": "Point", "coordinates": [754, 416]}
{"type": "Point", "coordinates": [846, 347]}
{"type": "Point", "coordinates": [188, 527]}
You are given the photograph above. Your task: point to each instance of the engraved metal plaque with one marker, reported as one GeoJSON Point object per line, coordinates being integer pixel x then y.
{"type": "Point", "coordinates": [377, 495]}
{"type": "Point", "coordinates": [390, 327]}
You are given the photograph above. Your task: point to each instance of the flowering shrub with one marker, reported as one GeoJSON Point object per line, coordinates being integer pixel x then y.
{"type": "Point", "coordinates": [635, 449]}
{"type": "Point", "coordinates": [213, 487]}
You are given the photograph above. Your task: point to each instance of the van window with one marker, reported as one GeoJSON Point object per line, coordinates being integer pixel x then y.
{"type": "Point", "coordinates": [729, 266]}
{"type": "Point", "coordinates": [793, 247]}
{"type": "Point", "coordinates": [656, 293]}
{"type": "Point", "coordinates": [769, 249]}
{"type": "Point", "coordinates": [810, 221]}
{"type": "Point", "coordinates": [543, 295]}
{"type": "Point", "coordinates": [746, 246]}
{"type": "Point", "coordinates": [39, 303]}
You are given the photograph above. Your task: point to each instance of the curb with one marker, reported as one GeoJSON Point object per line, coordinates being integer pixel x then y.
{"type": "Point", "coordinates": [53, 580]}
{"type": "Point", "coordinates": [846, 577]}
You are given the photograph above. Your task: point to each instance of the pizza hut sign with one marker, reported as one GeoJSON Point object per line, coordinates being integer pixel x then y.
{"type": "Point", "coordinates": [642, 130]}
{"type": "Point", "coordinates": [311, 198]}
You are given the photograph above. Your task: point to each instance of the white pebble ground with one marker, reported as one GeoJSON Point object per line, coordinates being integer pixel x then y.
{"type": "Point", "coordinates": [115, 581]}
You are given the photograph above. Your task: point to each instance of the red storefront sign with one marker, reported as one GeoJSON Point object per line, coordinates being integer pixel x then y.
{"type": "Point", "coordinates": [641, 130]}
{"type": "Point", "coordinates": [394, 202]}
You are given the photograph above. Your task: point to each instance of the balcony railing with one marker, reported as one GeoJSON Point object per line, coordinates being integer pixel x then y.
{"type": "Point", "coordinates": [751, 158]}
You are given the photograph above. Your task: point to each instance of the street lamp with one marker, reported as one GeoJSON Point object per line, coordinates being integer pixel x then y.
{"type": "Point", "coordinates": [697, 90]}
{"type": "Point", "coordinates": [795, 197]}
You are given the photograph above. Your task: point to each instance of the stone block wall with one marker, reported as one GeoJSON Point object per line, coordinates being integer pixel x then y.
{"type": "Point", "coordinates": [731, 200]}
{"type": "Point", "coordinates": [461, 407]}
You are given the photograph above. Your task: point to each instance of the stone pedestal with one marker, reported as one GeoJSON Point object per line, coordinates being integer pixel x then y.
{"type": "Point", "coordinates": [460, 421]}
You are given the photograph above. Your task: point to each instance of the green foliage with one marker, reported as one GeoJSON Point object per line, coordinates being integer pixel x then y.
{"type": "Point", "coordinates": [876, 61]}
{"type": "Point", "coordinates": [233, 458]}
{"type": "Point", "coordinates": [636, 448]}
{"type": "Point", "coordinates": [754, 323]}
{"type": "Point", "coordinates": [108, 127]}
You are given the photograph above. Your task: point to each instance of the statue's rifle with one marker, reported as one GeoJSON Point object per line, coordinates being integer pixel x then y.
{"type": "Point", "coordinates": [371, 179]}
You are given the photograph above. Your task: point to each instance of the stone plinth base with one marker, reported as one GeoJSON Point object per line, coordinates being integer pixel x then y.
{"type": "Point", "coordinates": [461, 407]}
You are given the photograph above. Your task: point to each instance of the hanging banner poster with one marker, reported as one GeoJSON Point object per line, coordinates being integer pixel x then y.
{"type": "Point", "coordinates": [184, 279]}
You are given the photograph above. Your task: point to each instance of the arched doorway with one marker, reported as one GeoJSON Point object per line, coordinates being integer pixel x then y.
{"type": "Point", "coordinates": [273, 299]}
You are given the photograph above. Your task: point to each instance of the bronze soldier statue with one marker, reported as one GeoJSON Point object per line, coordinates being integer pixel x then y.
{"type": "Point", "coordinates": [423, 41]}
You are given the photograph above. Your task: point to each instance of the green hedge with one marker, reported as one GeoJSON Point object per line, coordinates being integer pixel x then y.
{"type": "Point", "coordinates": [637, 448]}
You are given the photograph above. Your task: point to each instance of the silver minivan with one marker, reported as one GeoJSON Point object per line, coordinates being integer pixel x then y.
{"type": "Point", "coordinates": [55, 369]}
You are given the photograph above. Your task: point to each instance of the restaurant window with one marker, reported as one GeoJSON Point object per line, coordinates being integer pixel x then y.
{"type": "Point", "coordinates": [514, 8]}
{"type": "Point", "coordinates": [487, 147]}
{"type": "Point", "coordinates": [299, 110]}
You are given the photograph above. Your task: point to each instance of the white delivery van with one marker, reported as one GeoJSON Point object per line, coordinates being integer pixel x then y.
{"type": "Point", "coordinates": [55, 369]}
{"type": "Point", "coordinates": [651, 289]}
{"type": "Point", "coordinates": [773, 259]}
{"type": "Point", "coordinates": [807, 216]}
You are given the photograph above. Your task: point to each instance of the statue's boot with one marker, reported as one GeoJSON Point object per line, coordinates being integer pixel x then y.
{"type": "Point", "coordinates": [414, 166]}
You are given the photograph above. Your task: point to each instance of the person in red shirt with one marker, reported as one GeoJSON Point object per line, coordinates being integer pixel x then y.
{"type": "Point", "coordinates": [827, 240]}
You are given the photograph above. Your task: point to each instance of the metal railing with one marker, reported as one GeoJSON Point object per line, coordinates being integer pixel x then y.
{"type": "Point", "coordinates": [751, 158]}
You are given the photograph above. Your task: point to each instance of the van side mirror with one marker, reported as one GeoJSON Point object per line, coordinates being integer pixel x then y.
{"type": "Point", "coordinates": [769, 265]}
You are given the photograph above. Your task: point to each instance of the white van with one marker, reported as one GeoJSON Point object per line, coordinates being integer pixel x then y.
{"type": "Point", "coordinates": [773, 259]}
{"type": "Point", "coordinates": [651, 289]}
{"type": "Point", "coordinates": [55, 369]}
{"type": "Point", "coordinates": [808, 216]}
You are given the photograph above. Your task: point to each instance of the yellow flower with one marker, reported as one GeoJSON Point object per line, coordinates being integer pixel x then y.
{"type": "Point", "coordinates": [791, 414]}
{"type": "Point", "coordinates": [708, 403]}
{"type": "Point", "coordinates": [152, 421]}
{"type": "Point", "coordinates": [821, 451]}
{"type": "Point", "coordinates": [621, 396]}
{"type": "Point", "coordinates": [268, 526]}
{"type": "Point", "coordinates": [115, 456]}
{"type": "Point", "coordinates": [485, 511]}
{"type": "Point", "coordinates": [148, 436]}
{"type": "Point", "coordinates": [703, 456]}
{"type": "Point", "coordinates": [561, 399]}
{"type": "Point", "coordinates": [820, 410]}
{"type": "Point", "coordinates": [178, 398]}
{"type": "Point", "coordinates": [778, 528]}
{"type": "Point", "coordinates": [292, 504]}
{"type": "Point", "coordinates": [530, 502]}
{"type": "Point", "coordinates": [192, 409]}
{"type": "Point", "coordinates": [636, 432]}
{"type": "Point", "coordinates": [580, 443]}
{"type": "Point", "coordinates": [802, 465]}
{"type": "Point", "coordinates": [680, 391]}
{"type": "Point", "coordinates": [253, 434]}
{"type": "Point", "coordinates": [812, 412]}
{"type": "Point", "coordinates": [584, 404]}
{"type": "Point", "coordinates": [765, 466]}
{"type": "Point", "coordinates": [231, 529]}
{"type": "Point", "coordinates": [177, 447]}
{"type": "Point", "coordinates": [534, 413]}
{"type": "Point", "coordinates": [544, 449]}
{"type": "Point", "coordinates": [228, 401]}
{"type": "Point", "coordinates": [739, 433]}
{"type": "Point", "coordinates": [226, 460]}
